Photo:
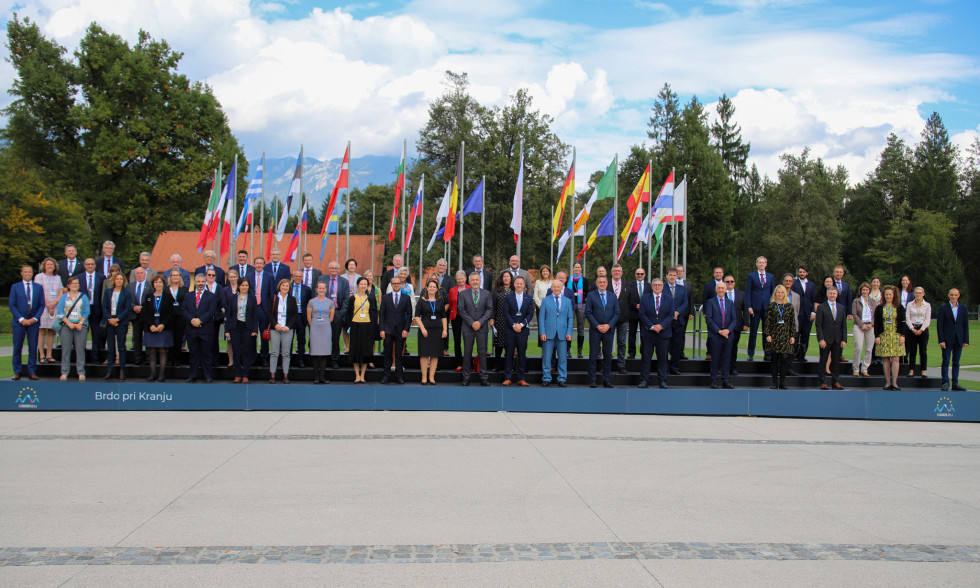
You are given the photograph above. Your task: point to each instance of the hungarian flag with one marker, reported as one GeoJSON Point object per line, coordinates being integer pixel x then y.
{"type": "Point", "coordinates": [416, 209]}
{"type": "Point", "coordinates": [210, 213]}
{"type": "Point", "coordinates": [332, 203]}
{"type": "Point", "coordinates": [294, 188]}
{"type": "Point", "coordinates": [454, 200]}
{"type": "Point", "coordinates": [300, 229]}
{"type": "Point", "coordinates": [399, 186]}
{"type": "Point", "coordinates": [567, 190]}
{"type": "Point", "coordinates": [606, 228]}
{"type": "Point", "coordinates": [229, 203]}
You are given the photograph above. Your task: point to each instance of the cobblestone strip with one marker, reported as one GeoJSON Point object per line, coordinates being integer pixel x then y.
{"type": "Point", "coordinates": [470, 553]}
{"type": "Point", "coordinates": [477, 437]}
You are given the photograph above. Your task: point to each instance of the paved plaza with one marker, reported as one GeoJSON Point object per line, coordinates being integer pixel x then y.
{"type": "Point", "coordinates": [485, 499]}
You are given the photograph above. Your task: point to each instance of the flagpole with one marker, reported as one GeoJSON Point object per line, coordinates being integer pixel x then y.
{"type": "Point", "coordinates": [673, 225]}
{"type": "Point", "coordinates": [347, 240]}
{"type": "Point", "coordinates": [653, 203]}
{"type": "Point", "coordinates": [519, 235]}
{"type": "Point", "coordinates": [483, 221]}
{"type": "Point", "coordinates": [615, 211]}
{"type": "Point", "coordinates": [552, 241]}
{"type": "Point", "coordinates": [684, 258]}
{"type": "Point", "coordinates": [404, 195]}
{"type": "Point", "coordinates": [571, 237]}
{"type": "Point", "coordinates": [421, 220]}
{"type": "Point", "coordinates": [462, 192]}
{"type": "Point", "coordinates": [234, 215]}
{"type": "Point", "coordinates": [373, 218]}
{"type": "Point", "coordinates": [220, 209]}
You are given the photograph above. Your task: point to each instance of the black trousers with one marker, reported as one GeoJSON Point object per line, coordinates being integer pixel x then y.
{"type": "Point", "coordinates": [780, 366]}
{"type": "Point", "coordinates": [515, 342]}
{"type": "Point", "coordinates": [621, 329]}
{"type": "Point", "coordinates": [243, 345]}
{"type": "Point", "coordinates": [803, 338]}
{"type": "Point", "coordinates": [98, 345]}
{"type": "Point", "coordinates": [721, 356]}
{"type": "Point", "coordinates": [677, 341]}
{"type": "Point", "coordinates": [336, 328]}
{"type": "Point", "coordinates": [199, 342]}
{"type": "Point", "coordinates": [394, 344]}
{"type": "Point", "coordinates": [833, 351]}
{"type": "Point", "coordinates": [735, 336]}
{"type": "Point", "coordinates": [918, 343]}
{"type": "Point", "coordinates": [263, 325]}
{"type": "Point", "coordinates": [137, 340]}
{"type": "Point", "coordinates": [603, 341]}
{"type": "Point", "coordinates": [647, 346]}
{"type": "Point", "coordinates": [116, 343]}
{"type": "Point", "coordinates": [634, 327]}
{"type": "Point", "coordinates": [300, 337]}
{"type": "Point", "coordinates": [457, 325]}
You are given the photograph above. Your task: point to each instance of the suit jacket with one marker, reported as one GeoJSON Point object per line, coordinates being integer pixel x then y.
{"type": "Point", "coordinates": [266, 290]}
{"type": "Point", "coordinates": [101, 268]}
{"type": "Point", "coordinates": [150, 273]}
{"type": "Point", "coordinates": [205, 311]}
{"type": "Point", "coordinates": [624, 300]}
{"type": "Point", "coordinates": [680, 299]}
{"type": "Point", "coordinates": [219, 274]}
{"type": "Point", "coordinates": [808, 296]}
{"type": "Point", "coordinates": [149, 309]}
{"type": "Point", "coordinates": [708, 291]}
{"type": "Point", "coordinates": [343, 293]}
{"type": "Point", "coordinates": [650, 317]}
{"type": "Point", "coordinates": [481, 312]}
{"type": "Point", "coordinates": [634, 297]}
{"type": "Point", "coordinates": [137, 300]}
{"type": "Point", "coordinates": [952, 331]}
{"type": "Point", "coordinates": [184, 275]}
{"type": "Point", "coordinates": [713, 316]}
{"type": "Point", "coordinates": [395, 318]}
{"type": "Point", "coordinates": [124, 306]}
{"type": "Point", "coordinates": [519, 314]}
{"type": "Point", "coordinates": [488, 279]}
{"type": "Point", "coordinates": [291, 312]}
{"type": "Point", "coordinates": [232, 323]}
{"type": "Point", "coordinates": [741, 309]}
{"type": "Point", "coordinates": [555, 323]}
{"type": "Point", "coordinates": [523, 273]}
{"type": "Point", "coordinates": [830, 330]}
{"type": "Point", "coordinates": [95, 299]}
{"type": "Point", "coordinates": [758, 295]}
{"type": "Point", "coordinates": [305, 293]}
{"type": "Point", "coordinates": [19, 306]}
{"type": "Point", "coordinates": [844, 295]}
{"type": "Point", "coordinates": [249, 270]}
{"type": "Point", "coordinates": [283, 272]}
{"type": "Point", "coordinates": [597, 314]}
{"type": "Point", "coordinates": [314, 277]}
{"type": "Point", "coordinates": [64, 273]}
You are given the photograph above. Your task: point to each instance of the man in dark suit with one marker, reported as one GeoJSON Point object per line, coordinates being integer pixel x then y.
{"type": "Point", "coordinates": [26, 304]}
{"type": "Point", "coordinates": [90, 282]}
{"type": "Point", "coordinates": [844, 294]}
{"type": "Point", "coordinates": [394, 320]}
{"type": "Point", "coordinates": [657, 318]}
{"type": "Point", "coordinates": [486, 278]}
{"type": "Point", "coordinates": [242, 266]}
{"type": "Point", "coordinates": [806, 290]}
{"type": "Point", "coordinates": [175, 261]}
{"type": "Point", "coordinates": [137, 289]}
{"type": "Point", "coordinates": [199, 310]}
{"type": "Point", "coordinates": [262, 287]}
{"type": "Point", "coordinates": [519, 307]}
{"type": "Point", "coordinates": [276, 268]}
{"type": "Point", "coordinates": [602, 313]}
{"type": "Point", "coordinates": [71, 265]}
{"type": "Point", "coordinates": [832, 334]}
{"type": "Point", "coordinates": [397, 261]}
{"type": "Point", "coordinates": [719, 313]}
{"type": "Point", "coordinates": [107, 260]}
{"type": "Point", "coordinates": [740, 307]}
{"type": "Point", "coordinates": [953, 328]}
{"type": "Point", "coordinates": [338, 290]}
{"type": "Point", "coordinates": [709, 287]}
{"type": "Point", "coordinates": [635, 291]}
{"type": "Point", "coordinates": [679, 297]}
{"type": "Point", "coordinates": [758, 291]}
{"type": "Point", "coordinates": [209, 265]}
{"type": "Point", "coordinates": [302, 293]}
{"type": "Point", "coordinates": [618, 286]}
{"type": "Point", "coordinates": [311, 275]}
{"type": "Point", "coordinates": [475, 309]}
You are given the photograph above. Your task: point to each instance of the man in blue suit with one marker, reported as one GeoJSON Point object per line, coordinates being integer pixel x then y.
{"type": "Point", "coordinates": [680, 297]}
{"type": "Point", "coordinates": [758, 291]}
{"type": "Point", "coordinates": [175, 261]}
{"type": "Point", "coordinates": [806, 290]}
{"type": "Point", "coordinates": [261, 286]}
{"type": "Point", "coordinates": [719, 313]}
{"type": "Point", "coordinates": [656, 319]}
{"type": "Point", "coordinates": [279, 270]}
{"type": "Point", "coordinates": [107, 260]}
{"type": "Point", "coordinates": [199, 311]}
{"type": "Point", "coordinates": [602, 312]}
{"type": "Point", "coordinates": [209, 265]}
{"type": "Point", "coordinates": [555, 326]}
{"type": "Point", "coordinates": [953, 328]}
{"type": "Point", "coordinates": [519, 307]}
{"type": "Point", "coordinates": [91, 284]}
{"type": "Point", "coordinates": [242, 266]}
{"type": "Point", "coordinates": [26, 305]}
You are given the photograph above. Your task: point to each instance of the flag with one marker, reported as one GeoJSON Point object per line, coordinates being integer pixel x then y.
{"type": "Point", "coordinates": [416, 208]}
{"type": "Point", "coordinates": [606, 228]}
{"type": "Point", "coordinates": [253, 193]}
{"type": "Point", "coordinates": [473, 204]}
{"type": "Point", "coordinates": [515, 221]}
{"type": "Point", "coordinates": [680, 202]}
{"type": "Point", "coordinates": [583, 215]}
{"type": "Point", "coordinates": [293, 189]}
{"type": "Point", "coordinates": [567, 190]}
{"type": "Point", "coordinates": [450, 231]}
{"type": "Point", "coordinates": [332, 203]}
{"type": "Point", "coordinates": [228, 198]}
{"type": "Point", "coordinates": [606, 188]}
{"type": "Point", "coordinates": [333, 223]}
{"type": "Point", "coordinates": [300, 228]}
{"type": "Point", "coordinates": [441, 214]}
{"type": "Point", "coordinates": [666, 197]}
{"type": "Point", "coordinates": [566, 236]}
{"type": "Point", "coordinates": [399, 186]}
{"type": "Point", "coordinates": [209, 213]}
{"type": "Point", "coordinates": [641, 193]}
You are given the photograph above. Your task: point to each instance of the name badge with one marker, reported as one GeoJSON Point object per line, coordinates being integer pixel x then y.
{"type": "Point", "coordinates": [433, 317]}
{"type": "Point", "coordinates": [156, 314]}
{"type": "Point", "coordinates": [779, 323]}
{"type": "Point", "coordinates": [319, 319]}
{"type": "Point", "coordinates": [363, 315]}
{"type": "Point", "coordinates": [888, 322]}
{"type": "Point", "coordinates": [518, 314]}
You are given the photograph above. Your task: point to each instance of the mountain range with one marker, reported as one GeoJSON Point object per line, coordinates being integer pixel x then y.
{"type": "Point", "coordinates": [319, 177]}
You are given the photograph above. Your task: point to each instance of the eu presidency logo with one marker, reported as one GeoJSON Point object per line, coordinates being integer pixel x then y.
{"type": "Point", "coordinates": [27, 398]}
{"type": "Point", "coordinates": [944, 407]}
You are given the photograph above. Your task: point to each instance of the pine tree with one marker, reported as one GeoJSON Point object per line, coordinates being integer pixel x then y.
{"type": "Point", "coordinates": [728, 142]}
{"type": "Point", "coordinates": [934, 174]}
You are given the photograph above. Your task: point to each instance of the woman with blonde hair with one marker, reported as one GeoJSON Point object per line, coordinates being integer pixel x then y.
{"type": "Point", "coordinates": [780, 332]}
{"type": "Point", "coordinates": [863, 310]}
{"type": "Point", "coordinates": [890, 335]}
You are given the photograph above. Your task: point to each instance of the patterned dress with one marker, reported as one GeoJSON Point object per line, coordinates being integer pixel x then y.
{"type": "Point", "coordinates": [781, 326]}
{"type": "Point", "coordinates": [890, 344]}
{"type": "Point", "coordinates": [499, 317]}
{"type": "Point", "coordinates": [52, 292]}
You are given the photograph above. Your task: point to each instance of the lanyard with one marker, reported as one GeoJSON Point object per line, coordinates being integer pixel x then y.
{"type": "Point", "coordinates": [779, 308]}
{"type": "Point", "coordinates": [433, 305]}
{"type": "Point", "coordinates": [321, 306]}
{"type": "Point", "coordinates": [156, 303]}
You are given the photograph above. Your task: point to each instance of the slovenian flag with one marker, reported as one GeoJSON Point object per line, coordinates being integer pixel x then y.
{"type": "Point", "coordinates": [416, 209]}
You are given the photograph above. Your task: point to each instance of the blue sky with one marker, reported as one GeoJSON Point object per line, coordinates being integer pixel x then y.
{"type": "Point", "coordinates": [835, 76]}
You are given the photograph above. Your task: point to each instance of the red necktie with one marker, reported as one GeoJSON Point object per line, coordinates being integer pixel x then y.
{"type": "Point", "coordinates": [762, 278]}
{"type": "Point", "coordinates": [198, 299]}
{"type": "Point", "coordinates": [658, 306]}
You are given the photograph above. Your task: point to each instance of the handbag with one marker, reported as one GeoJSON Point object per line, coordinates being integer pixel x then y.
{"type": "Point", "coordinates": [266, 335]}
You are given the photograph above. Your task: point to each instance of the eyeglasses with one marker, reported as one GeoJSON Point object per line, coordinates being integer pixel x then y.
{"type": "Point", "coordinates": [640, 274]}
{"type": "Point", "coordinates": [729, 281]}
{"type": "Point", "coordinates": [210, 275]}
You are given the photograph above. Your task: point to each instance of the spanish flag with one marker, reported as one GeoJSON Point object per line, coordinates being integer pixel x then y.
{"type": "Point", "coordinates": [566, 191]}
{"type": "Point", "coordinates": [454, 200]}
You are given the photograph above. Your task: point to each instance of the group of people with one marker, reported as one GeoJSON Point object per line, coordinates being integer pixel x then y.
{"type": "Point", "coordinates": [264, 307]}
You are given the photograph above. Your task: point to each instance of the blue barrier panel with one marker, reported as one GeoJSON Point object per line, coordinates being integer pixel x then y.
{"type": "Point", "coordinates": [119, 396]}
{"type": "Point", "coordinates": [174, 396]}
{"type": "Point", "coordinates": [310, 397]}
{"type": "Point", "coordinates": [831, 404]}
{"type": "Point", "coordinates": [688, 401]}
{"type": "Point", "coordinates": [928, 405]}
{"type": "Point", "coordinates": [459, 398]}
{"type": "Point", "coordinates": [60, 396]}
{"type": "Point", "coordinates": [555, 399]}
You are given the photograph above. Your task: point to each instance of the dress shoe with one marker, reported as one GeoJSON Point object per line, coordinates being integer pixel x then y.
{"type": "Point", "coordinates": [792, 373]}
{"type": "Point", "coordinates": [824, 387]}
{"type": "Point", "coordinates": [773, 386]}
{"type": "Point", "coordinates": [837, 386]}
{"type": "Point", "coordinates": [300, 364]}
{"type": "Point", "coordinates": [208, 380]}
{"type": "Point", "coordinates": [192, 380]}
{"type": "Point", "coordinates": [506, 383]}
{"type": "Point", "coordinates": [545, 383]}
{"type": "Point", "coordinates": [674, 372]}
{"type": "Point", "coordinates": [33, 377]}
{"type": "Point", "coordinates": [325, 381]}
{"type": "Point", "coordinates": [715, 385]}
{"type": "Point", "coordinates": [622, 371]}
{"type": "Point", "coordinates": [317, 381]}
{"type": "Point", "coordinates": [15, 377]}
{"type": "Point", "coordinates": [265, 362]}
{"type": "Point", "coordinates": [401, 380]}
{"type": "Point", "coordinates": [385, 379]}
{"type": "Point", "coordinates": [783, 387]}
{"type": "Point", "coordinates": [561, 384]}
{"type": "Point", "coordinates": [896, 389]}
{"type": "Point", "coordinates": [151, 378]}
{"type": "Point", "coordinates": [608, 384]}
{"type": "Point", "coordinates": [663, 385]}
{"type": "Point", "coordinates": [335, 365]}
{"type": "Point", "coordinates": [945, 388]}
{"type": "Point", "coordinates": [732, 372]}
{"type": "Point", "coordinates": [727, 386]}
{"type": "Point", "coordinates": [751, 358]}
{"type": "Point", "coordinates": [108, 375]}
{"type": "Point", "coordinates": [593, 384]}
{"type": "Point", "coordinates": [958, 388]}
{"type": "Point", "coordinates": [642, 384]}
{"type": "Point", "coordinates": [484, 382]}
{"type": "Point", "coordinates": [465, 382]}
{"type": "Point", "coordinates": [160, 379]}
{"type": "Point", "coordinates": [522, 383]}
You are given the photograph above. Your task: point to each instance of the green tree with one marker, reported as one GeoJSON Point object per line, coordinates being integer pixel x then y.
{"type": "Point", "coordinates": [665, 120]}
{"type": "Point", "coordinates": [132, 141]}
{"type": "Point", "coordinates": [727, 137]}
{"type": "Point", "coordinates": [921, 246]}
{"type": "Point", "coordinates": [935, 178]}
{"type": "Point", "coordinates": [967, 242]}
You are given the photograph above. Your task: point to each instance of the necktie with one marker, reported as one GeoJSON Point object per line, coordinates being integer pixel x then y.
{"type": "Point", "coordinates": [107, 263]}
{"type": "Point", "coordinates": [139, 293]}
{"type": "Point", "coordinates": [833, 309]}
{"type": "Point", "coordinates": [476, 297]}
{"type": "Point", "coordinates": [306, 280]}
{"type": "Point", "coordinates": [731, 296]}
{"type": "Point", "coordinates": [396, 299]}
{"type": "Point", "coordinates": [603, 296]}
{"type": "Point", "coordinates": [838, 286]}
{"type": "Point", "coordinates": [198, 303]}
{"type": "Point", "coordinates": [762, 278]}
{"type": "Point", "coordinates": [658, 305]}
{"type": "Point", "coordinates": [71, 267]}
{"type": "Point", "coordinates": [616, 288]}
{"type": "Point", "coordinates": [639, 288]}
{"type": "Point", "coordinates": [558, 303]}
{"type": "Point", "coordinates": [721, 303]}
{"type": "Point", "coordinates": [90, 293]}
{"type": "Point", "coordinates": [333, 287]}
{"type": "Point", "coordinates": [29, 301]}
{"type": "Point", "coordinates": [258, 287]}
{"type": "Point", "coordinates": [672, 291]}
{"type": "Point", "coordinates": [241, 270]}
{"type": "Point", "coordinates": [275, 269]}
{"type": "Point", "coordinates": [296, 295]}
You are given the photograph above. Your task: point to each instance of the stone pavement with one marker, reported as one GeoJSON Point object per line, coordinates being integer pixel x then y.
{"type": "Point", "coordinates": [396, 498]}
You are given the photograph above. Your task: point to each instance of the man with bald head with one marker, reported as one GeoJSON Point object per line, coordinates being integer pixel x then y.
{"type": "Point", "coordinates": [514, 267]}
